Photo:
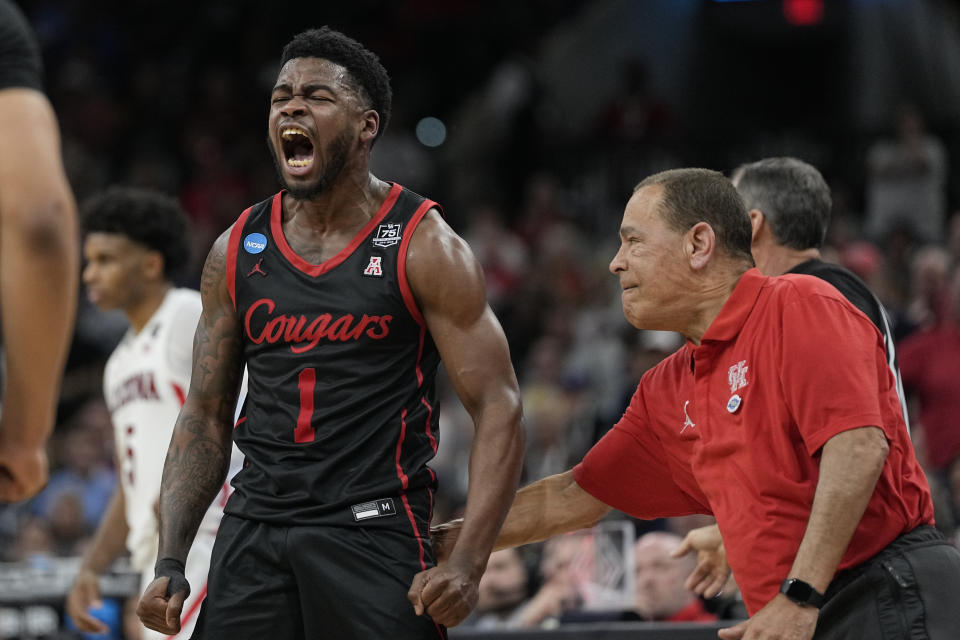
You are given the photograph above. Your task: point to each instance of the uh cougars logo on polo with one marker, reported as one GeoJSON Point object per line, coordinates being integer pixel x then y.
{"type": "Point", "coordinates": [303, 333]}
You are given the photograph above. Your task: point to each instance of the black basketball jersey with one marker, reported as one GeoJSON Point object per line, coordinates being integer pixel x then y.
{"type": "Point", "coordinates": [341, 415]}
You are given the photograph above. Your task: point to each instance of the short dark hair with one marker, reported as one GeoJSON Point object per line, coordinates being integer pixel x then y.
{"type": "Point", "coordinates": [792, 195]}
{"type": "Point", "coordinates": [147, 217]}
{"type": "Point", "coordinates": [701, 195]}
{"type": "Point", "coordinates": [373, 82]}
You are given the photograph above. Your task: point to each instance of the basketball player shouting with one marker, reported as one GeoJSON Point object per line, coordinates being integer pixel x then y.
{"type": "Point", "coordinates": [341, 293]}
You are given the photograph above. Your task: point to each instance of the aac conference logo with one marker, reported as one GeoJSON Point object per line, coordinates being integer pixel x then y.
{"type": "Point", "coordinates": [255, 243]}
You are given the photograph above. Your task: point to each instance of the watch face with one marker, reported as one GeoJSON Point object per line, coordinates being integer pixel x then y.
{"type": "Point", "coordinates": [798, 590]}
{"type": "Point", "coordinates": [801, 592]}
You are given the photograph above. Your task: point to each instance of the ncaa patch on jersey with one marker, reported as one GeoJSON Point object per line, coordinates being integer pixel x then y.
{"type": "Point", "coordinates": [387, 235]}
{"type": "Point", "coordinates": [376, 509]}
{"type": "Point", "coordinates": [255, 243]}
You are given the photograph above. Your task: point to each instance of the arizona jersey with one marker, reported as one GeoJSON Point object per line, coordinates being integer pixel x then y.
{"type": "Point", "coordinates": [145, 384]}
{"type": "Point", "coordinates": [341, 407]}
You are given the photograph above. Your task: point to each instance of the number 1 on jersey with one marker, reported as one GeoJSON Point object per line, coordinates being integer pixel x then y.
{"type": "Point", "coordinates": [307, 383]}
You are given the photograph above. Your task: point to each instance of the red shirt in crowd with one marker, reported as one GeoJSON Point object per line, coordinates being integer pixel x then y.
{"type": "Point", "coordinates": [930, 366]}
{"type": "Point", "coordinates": [734, 427]}
{"type": "Point", "coordinates": [693, 612]}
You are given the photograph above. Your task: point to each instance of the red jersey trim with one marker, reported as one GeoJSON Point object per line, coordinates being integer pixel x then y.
{"type": "Point", "coordinates": [181, 396]}
{"type": "Point", "coordinates": [225, 491]}
{"type": "Point", "coordinates": [404, 482]}
{"type": "Point", "coordinates": [417, 370]}
{"type": "Point", "coordinates": [405, 290]}
{"type": "Point", "coordinates": [313, 270]}
{"type": "Point", "coordinates": [433, 441]}
{"type": "Point", "coordinates": [233, 246]}
{"type": "Point", "coordinates": [416, 533]}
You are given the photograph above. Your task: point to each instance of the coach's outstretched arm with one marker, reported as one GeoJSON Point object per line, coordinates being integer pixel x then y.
{"type": "Point", "coordinates": [199, 453]}
{"type": "Point", "coordinates": [546, 508]}
{"type": "Point", "coordinates": [447, 283]}
{"type": "Point", "coordinates": [38, 285]}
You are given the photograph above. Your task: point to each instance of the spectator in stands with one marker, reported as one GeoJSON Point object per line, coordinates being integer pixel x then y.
{"type": "Point", "coordinates": [561, 566]}
{"type": "Point", "coordinates": [660, 590]}
{"type": "Point", "coordinates": [34, 542]}
{"type": "Point", "coordinates": [953, 236]}
{"type": "Point", "coordinates": [930, 364]}
{"type": "Point", "coordinates": [953, 483]}
{"type": "Point", "coordinates": [66, 523]}
{"type": "Point", "coordinates": [929, 269]}
{"type": "Point", "coordinates": [502, 253]}
{"type": "Point", "coordinates": [660, 593]}
{"type": "Point", "coordinates": [502, 592]}
{"type": "Point", "coordinates": [85, 470]}
{"type": "Point", "coordinates": [906, 181]}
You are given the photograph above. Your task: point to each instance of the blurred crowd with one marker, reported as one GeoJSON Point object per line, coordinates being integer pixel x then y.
{"type": "Point", "coordinates": [540, 212]}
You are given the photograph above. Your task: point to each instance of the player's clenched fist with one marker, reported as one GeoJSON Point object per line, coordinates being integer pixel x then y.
{"type": "Point", "coordinates": [446, 593]}
{"type": "Point", "coordinates": [159, 611]}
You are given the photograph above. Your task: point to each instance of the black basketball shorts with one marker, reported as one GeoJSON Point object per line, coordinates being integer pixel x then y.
{"type": "Point", "coordinates": [311, 582]}
{"type": "Point", "coordinates": [908, 591]}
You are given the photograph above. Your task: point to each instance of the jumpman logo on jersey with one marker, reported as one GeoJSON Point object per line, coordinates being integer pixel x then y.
{"type": "Point", "coordinates": [257, 269]}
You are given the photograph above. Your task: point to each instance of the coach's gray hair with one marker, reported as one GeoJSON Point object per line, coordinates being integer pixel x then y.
{"type": "Point", "coordinates": [793, 197]}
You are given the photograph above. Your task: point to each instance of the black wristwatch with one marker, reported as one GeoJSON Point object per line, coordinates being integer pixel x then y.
{"type": "Point", "coordinates": [801, 592]}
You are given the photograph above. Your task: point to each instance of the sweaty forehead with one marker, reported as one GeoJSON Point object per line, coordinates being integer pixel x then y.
{"type": "Point", "coordinates": [310, 71]}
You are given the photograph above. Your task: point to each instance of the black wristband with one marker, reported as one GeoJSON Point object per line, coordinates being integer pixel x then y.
{"type": "Point", "coordinates": [174, 570]}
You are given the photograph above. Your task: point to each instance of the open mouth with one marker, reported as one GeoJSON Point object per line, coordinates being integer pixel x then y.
{"type": "Point", "coordinates": [297, 149]}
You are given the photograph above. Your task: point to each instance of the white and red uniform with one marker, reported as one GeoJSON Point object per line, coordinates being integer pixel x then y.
{"type": "Point", "coordinates": [145, 384]}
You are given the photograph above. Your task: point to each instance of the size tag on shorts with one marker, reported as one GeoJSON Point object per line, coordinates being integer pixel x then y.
{"type": "Point", "coordinates": [375, 509]}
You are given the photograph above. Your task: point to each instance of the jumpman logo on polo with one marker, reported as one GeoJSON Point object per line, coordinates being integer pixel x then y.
{"type": "Point", "coordinates": [687, 422]}
{"type": "Point", "coordinates": [257, 269]}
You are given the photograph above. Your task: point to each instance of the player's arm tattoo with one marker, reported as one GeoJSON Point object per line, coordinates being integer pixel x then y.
{"type": "Point", "coordinates": [199, 453]}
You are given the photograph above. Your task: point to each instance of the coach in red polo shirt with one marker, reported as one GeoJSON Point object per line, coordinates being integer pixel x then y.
{"type": "Point", "coordinates": [779, 416]}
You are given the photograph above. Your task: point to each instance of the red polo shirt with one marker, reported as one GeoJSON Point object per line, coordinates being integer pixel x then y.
{"type": "Point", "coordinates": [734, 427]}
